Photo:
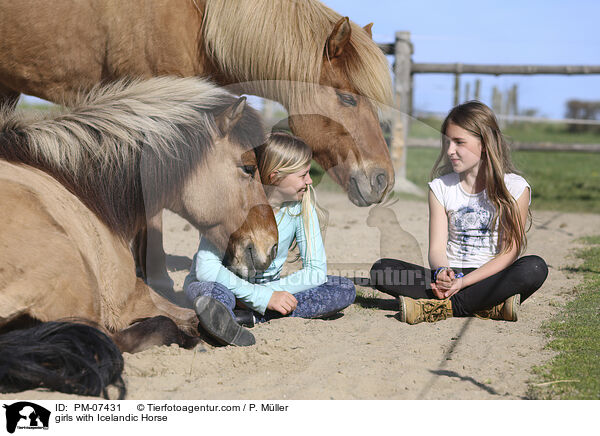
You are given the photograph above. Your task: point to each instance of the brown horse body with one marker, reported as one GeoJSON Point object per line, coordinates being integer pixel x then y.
{"type": "Point", "coordinates": [75, 187]}
{"type": "Point", "coordinates": [52, 50]}
{"type": "Point", "coordinates": [324, 69]}
{"type": "Point", "coordinates": [61, 261]}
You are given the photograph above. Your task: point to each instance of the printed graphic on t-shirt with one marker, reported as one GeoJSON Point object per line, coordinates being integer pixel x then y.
{"type": "Point", "coordinates": [472, 226]}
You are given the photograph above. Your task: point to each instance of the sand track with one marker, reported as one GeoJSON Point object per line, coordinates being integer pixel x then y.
{"type": "Point", "coordinates": [367, 353]}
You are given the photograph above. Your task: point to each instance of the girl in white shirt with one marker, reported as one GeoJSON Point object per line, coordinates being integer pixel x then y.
{"type": "Point", "coordinates": [478, 207]}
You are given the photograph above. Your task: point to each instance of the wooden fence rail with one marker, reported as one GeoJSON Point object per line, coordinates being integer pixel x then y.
{"type": "Point", "coordinates": [404, 69]}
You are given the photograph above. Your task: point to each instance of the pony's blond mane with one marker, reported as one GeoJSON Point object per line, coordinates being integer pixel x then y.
{"type": "Point", "coordinates": [113, 122]}
{"type": "Point", "coordinates": [283, 40]}
{"type": "Point", "coordinates": [126, 148]}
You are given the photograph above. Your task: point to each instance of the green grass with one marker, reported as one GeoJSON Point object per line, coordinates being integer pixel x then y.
{"type": "Point", "coordinates": [516, 132]}
{"type": "Point", "coordinates": [564, 181]}
{"type": "Point", "coordinates": [575, 372]}
{"type": "Point", "coordinates": [425, 128]}
{"type": "Point", "coordinates": [549, 132]}
{"type": "Point", "coordinates": [34, 106]}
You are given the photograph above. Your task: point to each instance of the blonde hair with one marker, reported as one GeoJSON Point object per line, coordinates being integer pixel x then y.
{"type": "Point", "coordinates": [287, 154]}
{"type": "Point", "coordinates": [479, 120]}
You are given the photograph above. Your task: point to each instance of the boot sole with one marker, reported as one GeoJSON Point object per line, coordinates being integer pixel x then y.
{"type": "Point", "coordinates": [402, 308]}
{"type": "Point", "coordinates": [516, 303]}
{"type": "Point", "coordinates": [215, 318]}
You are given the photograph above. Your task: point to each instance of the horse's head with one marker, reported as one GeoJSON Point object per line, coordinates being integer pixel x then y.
{"type": "Point", "coordinates": [341, 125]}
{"type": "Point", "coordinates": [224, 197]}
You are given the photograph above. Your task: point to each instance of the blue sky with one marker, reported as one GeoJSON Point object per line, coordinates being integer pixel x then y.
{"type": "Point", "coordinates": [490, 32]}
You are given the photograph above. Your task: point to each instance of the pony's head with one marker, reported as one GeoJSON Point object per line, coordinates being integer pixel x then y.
{"type": "Point", "coordinates": [325, 70]}
{"type": "Point", "coordinates": [131, 148]}
{"type": "Point", "coordinates": [224, 197]}
{"type": "Point", "coordinates": [341, 122]}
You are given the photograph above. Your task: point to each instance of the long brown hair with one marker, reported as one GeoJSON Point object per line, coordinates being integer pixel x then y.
{"type": "Point", "coordinates": [480, 121]}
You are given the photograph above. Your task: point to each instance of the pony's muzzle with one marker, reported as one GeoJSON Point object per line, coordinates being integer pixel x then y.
{"type": "Point", "coordinates": [257, 260]}
{"type": "Point", "coordinates": [366, 189]}
{"type": "Point", "coordinates": [379, 182]}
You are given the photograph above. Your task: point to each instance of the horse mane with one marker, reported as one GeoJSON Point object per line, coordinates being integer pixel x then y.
{"type": "Point", "coordinates": [125, 148]}
{"type": "Point", "coordinates": [291, 50]}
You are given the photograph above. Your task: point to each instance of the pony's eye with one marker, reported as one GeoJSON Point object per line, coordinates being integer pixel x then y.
{"type": "Point", "coordinates": [249, 169]}
{"type": "Point", "coordinates": [346, 99]}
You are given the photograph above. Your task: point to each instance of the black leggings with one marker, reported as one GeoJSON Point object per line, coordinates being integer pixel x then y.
{"type": "Point", "coordinates": [525, 276]}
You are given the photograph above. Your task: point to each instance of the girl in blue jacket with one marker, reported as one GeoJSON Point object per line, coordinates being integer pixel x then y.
{"type": "Point", "coordinates": [284, 165]}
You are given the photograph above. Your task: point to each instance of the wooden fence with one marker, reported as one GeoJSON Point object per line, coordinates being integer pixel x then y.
{"type": "Point", "coordinates": [405, 69]}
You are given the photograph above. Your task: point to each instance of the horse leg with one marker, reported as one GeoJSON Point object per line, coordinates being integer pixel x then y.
{"type": "Point", "coordinates": [154, 257]}
{"type": "Point", "coordinates": [144, 303]}
{"type": "Point", "coordinates": [151, 332]}
{"type": "Point", "coordinates": [138, 249]}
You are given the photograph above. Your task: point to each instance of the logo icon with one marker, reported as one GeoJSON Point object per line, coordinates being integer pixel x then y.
{"type": "Point", "coordinates": [26, 415]}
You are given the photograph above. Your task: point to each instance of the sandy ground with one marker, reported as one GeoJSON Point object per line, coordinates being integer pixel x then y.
{"type": "Point", "coordinates": [366, 353]}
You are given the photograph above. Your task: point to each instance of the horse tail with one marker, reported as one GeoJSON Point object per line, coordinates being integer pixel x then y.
{"type": "Point", "coordinates": [67, 357]}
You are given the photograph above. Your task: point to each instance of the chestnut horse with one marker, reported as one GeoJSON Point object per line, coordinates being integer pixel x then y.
{"type": "Point", "coordinates": [76, 185]}
{"type": "Point", "coordinates": [324, 69]}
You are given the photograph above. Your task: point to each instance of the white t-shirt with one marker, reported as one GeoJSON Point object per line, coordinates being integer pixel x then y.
{"type": "Point", "coordinates": [471, 242]}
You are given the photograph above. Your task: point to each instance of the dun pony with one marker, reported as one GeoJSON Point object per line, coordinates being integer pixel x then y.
{"type": "Point", "coordinates": [76, 184]}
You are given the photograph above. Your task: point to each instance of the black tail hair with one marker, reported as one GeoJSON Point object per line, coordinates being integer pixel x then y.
{"type": "Point", "coordinates": [61, 356]}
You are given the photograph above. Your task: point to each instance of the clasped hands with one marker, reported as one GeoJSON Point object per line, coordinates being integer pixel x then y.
{"type": "Point", "coordinates": [446, 284]}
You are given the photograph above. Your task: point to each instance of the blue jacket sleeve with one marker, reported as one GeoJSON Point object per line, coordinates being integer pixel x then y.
{"type": "Point", "coordinates": [314, 267]}
{"type": "Point", "coordinates": [209, 268]}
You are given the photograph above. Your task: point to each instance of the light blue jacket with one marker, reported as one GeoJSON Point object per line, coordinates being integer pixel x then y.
{"type": "Point", "coordinates": [208, 267]}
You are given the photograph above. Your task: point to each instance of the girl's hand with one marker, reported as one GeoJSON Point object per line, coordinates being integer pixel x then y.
{"type": "Point", "coordinates": [439, 293]}
{"type": "Point", "coordinates": [444, 278]}
{"type": "Point", "coordinates": [282, 302]}
{"type": "Point", "coordinates": [457, 285]}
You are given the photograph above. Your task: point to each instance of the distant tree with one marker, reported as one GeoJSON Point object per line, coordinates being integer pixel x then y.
{"type": "Point", "coordinates": [530, 112]}
{"type": "Point", "coordinates": [583, 110]}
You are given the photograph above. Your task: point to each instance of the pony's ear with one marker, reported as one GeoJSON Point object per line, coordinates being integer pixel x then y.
{"type": "Point", "coordinates": [368, 28]}
{"type": "Point", "coordinates": [229, 118]}
{"type": "Point", "coordinates": [340, 35]}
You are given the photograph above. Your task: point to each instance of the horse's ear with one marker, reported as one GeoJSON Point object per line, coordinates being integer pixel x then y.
{"type": "Point", "coordinates": [229, 118]}
{"type": "Point", "coordinates": [368, 28]}
{"type": "Point", "coordinates": [340, 35]}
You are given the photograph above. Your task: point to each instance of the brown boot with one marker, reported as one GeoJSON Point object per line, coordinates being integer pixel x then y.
{"type": "Point", "coordinates": [505, 311]}
{"type": "Point", "coordinates": [416, 311]}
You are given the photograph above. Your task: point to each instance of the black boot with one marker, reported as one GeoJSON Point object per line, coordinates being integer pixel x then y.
{"type": "Point", "coordinates": [244, 317]}
{"type": "Point", "coordinates": [217, 321]}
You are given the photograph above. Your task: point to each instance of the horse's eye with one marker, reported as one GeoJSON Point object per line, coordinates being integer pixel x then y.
{"type": "Point", "coordinates": [249, 169]}
{"type": "Point", "coordinates": [346, 99]}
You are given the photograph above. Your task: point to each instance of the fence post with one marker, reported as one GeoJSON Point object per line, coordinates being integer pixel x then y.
{"type": "Point", "coordinates": [402, 82]}
{"type": "Point", "coordinates": [477, 89]}
{"type": "Point", "coordinates": [514, 104]}
{"type": "Point", "coordinates": [456, 89]}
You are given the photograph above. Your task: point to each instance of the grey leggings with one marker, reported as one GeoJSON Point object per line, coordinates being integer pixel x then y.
{"type": "Point", "coordinates": [318, 302]}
